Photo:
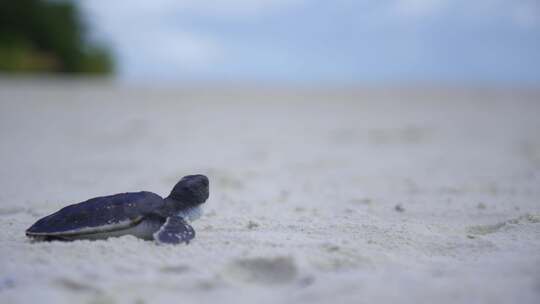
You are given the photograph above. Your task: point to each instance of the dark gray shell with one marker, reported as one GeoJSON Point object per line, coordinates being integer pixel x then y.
{"type": "Point", "coordinates": [100, 214]}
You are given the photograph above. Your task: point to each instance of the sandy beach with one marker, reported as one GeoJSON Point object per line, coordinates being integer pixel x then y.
{"type": "Point", "coordinates": [316, 196]}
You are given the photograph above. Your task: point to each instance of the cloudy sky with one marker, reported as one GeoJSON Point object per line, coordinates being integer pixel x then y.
{"type": "Point", "coordinates": [316, 41]}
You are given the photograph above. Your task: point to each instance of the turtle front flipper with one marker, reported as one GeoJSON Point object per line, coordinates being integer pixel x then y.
{"type": "Point", "coordinates": [175, 230]}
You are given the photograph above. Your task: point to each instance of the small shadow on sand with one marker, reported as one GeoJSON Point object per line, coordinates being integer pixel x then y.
{"type": "Point", "coordinates": [492, 228]}
{"type": "Point", "coordinates": [264, 271]}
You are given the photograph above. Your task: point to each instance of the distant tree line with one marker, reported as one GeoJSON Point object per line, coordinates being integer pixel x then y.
{"type": "Point", "coordinates": [47, 36]}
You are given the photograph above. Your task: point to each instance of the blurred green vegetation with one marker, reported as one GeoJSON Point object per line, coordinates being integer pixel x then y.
{"type": "Point", "coordinates": [47, 36]}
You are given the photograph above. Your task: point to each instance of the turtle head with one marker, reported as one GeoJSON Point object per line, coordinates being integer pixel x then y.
{"type": "Point", "coordinates": [191, 190]}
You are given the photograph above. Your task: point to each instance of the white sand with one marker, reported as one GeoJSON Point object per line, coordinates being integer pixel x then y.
{"type": "Point", "coordinates": [361, 196]}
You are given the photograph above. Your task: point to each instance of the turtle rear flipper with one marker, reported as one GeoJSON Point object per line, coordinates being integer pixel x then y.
{"type": "Point", "coordinates": [175, 230]}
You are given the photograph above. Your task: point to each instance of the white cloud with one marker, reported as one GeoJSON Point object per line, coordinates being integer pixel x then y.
{"type": "Point", "coordinates": [233, 8]}
{"type": "Point", "coordinates": [149, 44]}
{"type": "Point", "coordinates": [238, 8]}
{"type": "Point", "coordinates": [159, 38]}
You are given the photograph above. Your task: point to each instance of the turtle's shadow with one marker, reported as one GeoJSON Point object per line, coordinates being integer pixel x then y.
{"type": "Point", "coordinates": [41, 239]}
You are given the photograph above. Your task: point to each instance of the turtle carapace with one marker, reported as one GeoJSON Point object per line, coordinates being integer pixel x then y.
{"type": "Point", "coordinates": [143, 214]}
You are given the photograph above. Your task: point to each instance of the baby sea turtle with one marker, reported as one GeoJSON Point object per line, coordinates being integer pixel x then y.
{"type": "Point", "coordinates": [143, 214]}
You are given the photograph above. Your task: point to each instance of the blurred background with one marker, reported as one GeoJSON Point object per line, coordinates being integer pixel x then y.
{"type": "Point", "coordinates": [485, 42]}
